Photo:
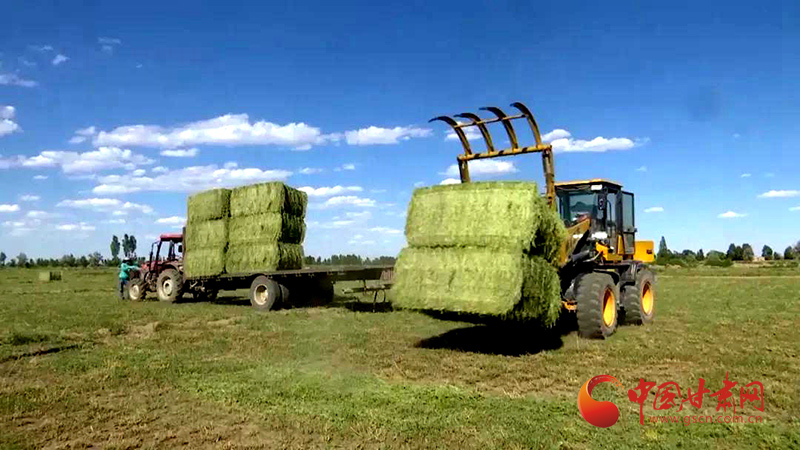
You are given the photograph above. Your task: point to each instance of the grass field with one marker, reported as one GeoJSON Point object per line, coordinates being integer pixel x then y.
{"type": "Point", "coordinates": [80, 369]}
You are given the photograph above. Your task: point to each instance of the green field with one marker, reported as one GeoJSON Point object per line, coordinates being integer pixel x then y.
{"type": "Point", "coordinates": [80, 369]}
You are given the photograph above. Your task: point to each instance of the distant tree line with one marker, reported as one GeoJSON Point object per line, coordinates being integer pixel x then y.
{"type": "Point", "coordinates": [347, 260]}
{"type": "Point", "coordinates": [127, 245]}
{"type": "Point", "coordinates": [735, 252]}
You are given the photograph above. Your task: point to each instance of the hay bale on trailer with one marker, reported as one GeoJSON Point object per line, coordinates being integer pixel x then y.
{"type": "Point", "coordinates": [481, 248]}
{"type": "Point", "coordinates": [206, 235]}
{"type": "Point", "coordinates": [263, 257]}
{"type": "Point", "coordinates": [274, 197]}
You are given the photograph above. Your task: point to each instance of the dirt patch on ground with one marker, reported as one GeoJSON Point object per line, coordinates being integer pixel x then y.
{"type": "Point", "coordinates": [145, 331]}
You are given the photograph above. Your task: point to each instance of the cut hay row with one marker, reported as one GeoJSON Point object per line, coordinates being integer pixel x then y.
{"type": "Point", "coordinates": [206, 234]}
{"type": "Point", "coordinates": [208, 205]}
{"type": "Point", "coordinates": [487, 214]}
{"type": "Point", "coordinates": [263, 257]}
{"type": "Point", "coordinates": [480, 281]}
{"type": "Point", "coordinates": [266, 228]}
{"type": "Point", "coordinates": [274, 197]}
{"type": "Point", "coordinates": [204, 262]}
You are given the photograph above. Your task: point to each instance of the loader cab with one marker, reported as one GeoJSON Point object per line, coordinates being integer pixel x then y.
{"type": "Point", "coordinates": [610, 209]}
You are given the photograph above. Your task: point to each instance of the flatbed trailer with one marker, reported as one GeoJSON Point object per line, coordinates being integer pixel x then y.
{"type": "Point", "coordinates": [297, 287]}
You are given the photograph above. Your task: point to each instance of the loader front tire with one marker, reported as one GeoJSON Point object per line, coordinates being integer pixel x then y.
{"type": "Point", "coordinates": [638, 299]}
{"type": "Point", "coordinates": [169, 286]}
{"type": "Point", "coordinates": [596, 296]}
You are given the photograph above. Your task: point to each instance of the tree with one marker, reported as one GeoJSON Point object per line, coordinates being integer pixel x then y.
{"type": "Point", "coordinates": [126, 245]}
{"type": "Point", "coordinates": [132, 244]}
{"type": "Point", "coordinates": [95, 259]}
{"type": "Point", "coordinates": [731, 253]}
{"type": "Point", "coordinates": [747, 252]}
{"type": "Point", "coordinates": [789, 253]}
{"type": "Point", "coordinates": [767, 253]}
{"type": "Point", "coordinates": [700, 255]}
{"type": "Point", "coordinates": [2, 259]}
{"type": "Point", "coordinates": [22, 260]}
{"type": "Point", "coordinates": [115, 248]}
{"type": "Point", "coordinates": [663, 250]}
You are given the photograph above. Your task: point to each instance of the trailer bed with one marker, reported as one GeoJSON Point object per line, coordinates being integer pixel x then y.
{"type": "Point", "coordinates": [334, 274]}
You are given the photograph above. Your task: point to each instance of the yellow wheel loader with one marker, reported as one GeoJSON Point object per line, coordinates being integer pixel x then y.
{"type": "Point", "coordinates": [604, 275]}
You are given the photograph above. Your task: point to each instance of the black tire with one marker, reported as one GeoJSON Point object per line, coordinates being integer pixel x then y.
{"type": "Point", "coordinates": [638, 299]}
{"type": "Point", "coordinates": [207, 295]}
{"type": "Point", "coordinates": [316, 292]}
{"type": "Point", "coordinates": [169, 286]}
{"type": "Point", "coordinates": [265, 293]}
{"type": "Point", "coordinates": [137, 290]}
{"type": "Point", "coordinates": [323, 293]}
{"type": "Point", "coordinates": [597, 318]}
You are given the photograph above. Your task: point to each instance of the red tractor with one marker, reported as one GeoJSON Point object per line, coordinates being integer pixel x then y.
{"type": "Point", "coordinates": [162, 273]}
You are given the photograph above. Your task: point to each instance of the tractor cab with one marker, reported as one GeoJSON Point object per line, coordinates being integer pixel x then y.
{"type": "Point", "coordinates": [167, 250]}
{"type": "Point", "coordinates": [610, 211]}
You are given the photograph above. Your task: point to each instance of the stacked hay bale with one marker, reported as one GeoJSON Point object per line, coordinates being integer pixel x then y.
{"type": "Point", "coordinates": [206, 235]}
{"type": "Point", "coordinates": [266, 228]}
{"type": "Point", "coordinates": [481, 248]}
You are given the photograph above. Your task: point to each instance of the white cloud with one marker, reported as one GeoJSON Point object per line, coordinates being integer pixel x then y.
{"type": "Point", "coordinates": [7, 126]}
{"type": "Point", "coordinates": [13, 224]}
{"type": "Point", "coordinates": [83, 226]}
{"type": "Point", "coordinates": [794, 208]}
{"type": "Point", "coordinates": [384, 136]}
{"type": "Point", "coordinates": [419, 184]}
{"type": "Point", "coordinates": [104, 158]}
{"type": "Point", "coordinates": [731, 215]}
{"type": "Point", "coordinates": [189, 179]}
{"type": "Point", "coordinates": [180, 153]}
{"type": "Point", "coordinates": [642, 169]}
{"type": "Point", "coordinates": [11, 79]}
{"type": "Point", "coordinates": [471, 133]}
{"type": "Point", "coordinates": [385, 230]}
{"type": "Point", "coordinates": [348, 166]}
{"type": "Point", "coordinates": [780, 194]}
{"type": "Point", "coordinates": [114, 221]}
{"type": "Point", "coordinates": [451, 181]}
{"type": "Point", "coordinates": [40, 177]}
{"type": "Point", "coordinates": [331, 224]}
{"type": "Point", "coordinates": [769, 175]}
{"type": "Point", "coordinates": [309, 170]}
{"type": "Point", "coordinates": [174, 220]}
{"type": "Point", "coordinates": [361, 215]}
{"type": "Point", "coordinates": [746, 175]}
{"type": "Point", "coordinates": [230, 129]}
{"type": "Point", "coordinates": [654, 209]}
{"type": "Point", "coordinates": [41, 48]}
{"type": "Point", "coordinates": [138, 172]}
{"type": "Point", "coordinates": [377, 191]}
{"type": "Point", "coordinates": [82, 135]}
{"type": "Point", "coordinates": [9, 208]}
{"type": "Point", "coordinates": [329, 191]}
{"type": "Point", "coordinates": [562, 141]}
{"type": "Point", "coordinates": [736, 135]}
{"type": "Point", "coordinates": [108, 41]}
{"type": "Point", "coordinates": [39, 214]}
{"type": "Point", "coordinates": [558, 133]}
{"type": "Point", "coordinates": [483, 167]}
{"type": "Point", "coordinates": [29, 198]}
{"type": "Point", "coordinates": [105, 205]}
{"type": "Point", "coordinates": [159, 169]}
{"type": "Point", "coordinates": [349, 200]}
{"type": "Point", "coordinates": [60, 59]}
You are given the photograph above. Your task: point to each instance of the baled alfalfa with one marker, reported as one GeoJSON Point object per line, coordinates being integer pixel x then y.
{"type": "Point", "coordinates": [208, 205]}
{"type": "Point", "coordinates": [266, 228]}
{"type": "Point", "coordinates": [484, 281]}
{"type": "Point", "coordinates": [496, 214]}
{"type": "Point", "coordinates": [551, 236]}
{"type": "Point", "coordinates": [243, 258]}
{"type": "Point", "coordinates": [274, 197]}
{"type": "Point", "coordinates": [204, 262]}
{"type": "Point", "coordinates": [206, 234]}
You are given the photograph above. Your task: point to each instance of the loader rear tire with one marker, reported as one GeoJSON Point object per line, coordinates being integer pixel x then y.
{"type": "Point", "coordinates": [596, 296]}
{"type": "Point", "coordinates": [638, 299]}
{"type": "Point", "coordinates": [169, 286]}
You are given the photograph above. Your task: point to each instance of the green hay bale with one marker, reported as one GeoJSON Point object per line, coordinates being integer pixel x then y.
{"type": "Point", "coordinates": [204, 262]}
{"type": "Point", "coordinates": [273, 197]}
{"type": "Point", "coordinates": [494, 282]}
{"type": "Point", "coordinates": [266, 228]}
{"type": "Point", "coordinates": [52, 275]}
{"type": "Point", "coordinates": [243, 258]}
{"type": "Point", "coordinates": [550, 237]}
{"type": "Point", "coordinates": [209, 205]}
{"type": "Point", "coordinates": [206, 234]}
{"type": "Point", "coordinates": [496, 214]}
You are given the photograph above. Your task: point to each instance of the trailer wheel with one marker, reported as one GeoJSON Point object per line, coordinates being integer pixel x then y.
{"type": "Point", "coordinates": [316, 292]}
{"type": "Point", "coordinates": [596, 296]}
{"type": "Point", "coordinates": [137, 290]}
{"type": "Point", "coordinates": [323, 293]}
{"type": "Point", "coordinates": [265, 293]}
{"type": "Point", "coordinates": [169, 286]}
{"type": "Point", "coordinates": [638, 299]}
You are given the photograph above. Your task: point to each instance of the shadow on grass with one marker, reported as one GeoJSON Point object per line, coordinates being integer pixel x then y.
{"type": "Point", "coordinates": [500, 338]}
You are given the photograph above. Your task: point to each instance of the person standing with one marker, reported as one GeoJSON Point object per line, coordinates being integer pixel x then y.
{"type": "Point", "coordinates": [123, 275]}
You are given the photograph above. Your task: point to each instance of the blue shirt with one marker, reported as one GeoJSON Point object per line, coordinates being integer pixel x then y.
{"type": "Point", "coordinates": [123, 270]}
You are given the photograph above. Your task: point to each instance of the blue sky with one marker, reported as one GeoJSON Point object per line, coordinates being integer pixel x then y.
{"type": "Point", "coordinates": [111, 114]}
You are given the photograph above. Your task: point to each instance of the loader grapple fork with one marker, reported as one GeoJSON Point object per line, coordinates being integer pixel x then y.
{"type": "Point", "coordinates": [491, 152]}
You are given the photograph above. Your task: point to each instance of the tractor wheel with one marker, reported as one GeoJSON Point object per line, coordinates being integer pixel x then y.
{"type": "Point", "coordinates": [265, 294]}
{"type": "Point", "coordinates": [137, 291]}
{"type": "Point", "coordinates": [638, 299]}
{"type": "Point", "coordinates": [596, 297]}
{"type": "Point", "coordinates": [169, 286]}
